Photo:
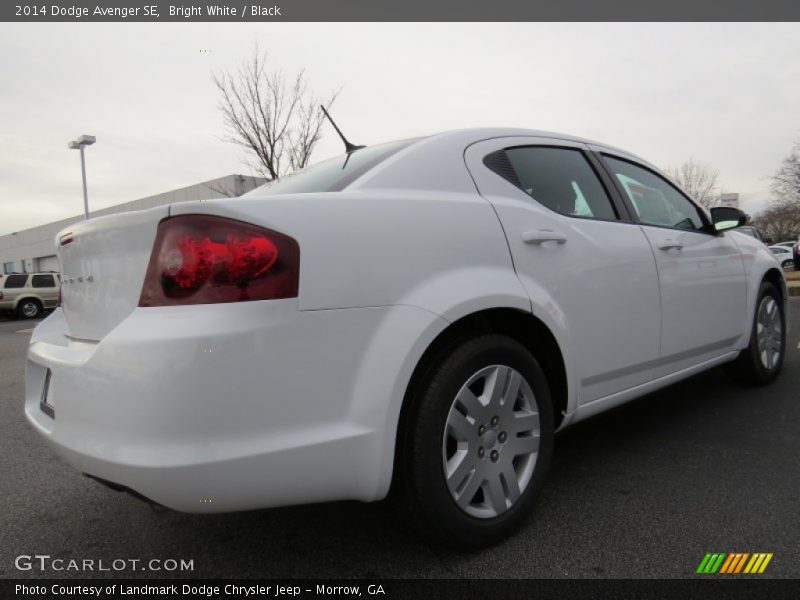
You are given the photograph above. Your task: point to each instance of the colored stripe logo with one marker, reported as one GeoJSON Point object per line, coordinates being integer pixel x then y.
{"type": "Point", "coordinates": [733, 563]}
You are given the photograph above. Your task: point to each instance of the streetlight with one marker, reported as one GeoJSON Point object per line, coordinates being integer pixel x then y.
{"type": "Point", "coordinates": [80, 144]}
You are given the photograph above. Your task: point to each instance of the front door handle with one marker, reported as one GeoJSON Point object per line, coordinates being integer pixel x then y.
{"type": "Point", "coordinates": [540, 236]}
{"type": "Point", "coordinates": [670, 245]}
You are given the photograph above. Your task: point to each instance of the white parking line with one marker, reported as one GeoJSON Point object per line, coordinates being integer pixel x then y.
{"type": "Point", "coordinates": [26, 330]}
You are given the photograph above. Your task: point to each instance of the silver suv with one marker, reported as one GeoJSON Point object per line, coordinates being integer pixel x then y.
{"type": "Point", "coordinates": [28, 295]}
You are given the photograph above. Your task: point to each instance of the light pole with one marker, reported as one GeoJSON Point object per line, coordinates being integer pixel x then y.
{"type": "Point", "coordinates": [80, 144]}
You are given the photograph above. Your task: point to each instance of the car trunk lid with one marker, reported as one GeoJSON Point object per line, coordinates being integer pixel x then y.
{"type": "Point", "coordinates": [103, 264]}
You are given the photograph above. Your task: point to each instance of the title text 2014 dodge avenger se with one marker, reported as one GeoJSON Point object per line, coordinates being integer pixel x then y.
{"type": "Point", "coordinates": [420, 315]}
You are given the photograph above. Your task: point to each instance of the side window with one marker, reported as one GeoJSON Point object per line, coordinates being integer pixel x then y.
{"type": "Point", "coordinates": [655, 201]}
{"type": "Point", "coordinates": [559, 178]}
{"type": "Point", "coordinates": [43, 281]}
{"type": "Point", "coordinates": [16, 281]}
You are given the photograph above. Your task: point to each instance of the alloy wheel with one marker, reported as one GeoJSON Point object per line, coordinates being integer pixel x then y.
{"type": "Point", "coordinates": [491, 441]}
{"type": "Point", "coordinates": [769, 332]}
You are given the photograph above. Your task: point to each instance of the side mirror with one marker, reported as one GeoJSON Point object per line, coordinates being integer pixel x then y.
{"type": "Point", "coordinates": [727, 217]}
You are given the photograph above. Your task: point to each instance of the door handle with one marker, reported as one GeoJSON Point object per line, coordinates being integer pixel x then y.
{"type": "Point", "coordinates": [540, 236]}
{"type": "Point", "coordinates": [670, 245]}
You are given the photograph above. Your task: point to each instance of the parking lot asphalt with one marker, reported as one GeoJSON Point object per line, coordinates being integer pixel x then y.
{"type": "Point", "coordinates": [643, 491]}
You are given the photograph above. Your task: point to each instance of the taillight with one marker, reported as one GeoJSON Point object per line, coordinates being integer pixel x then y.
{"type": "Point", "coordinates": [1, 295]}
{"type": "Point", "coordinates": [203, 259]}
{"type": "Point", "coordinates": [58, 302]}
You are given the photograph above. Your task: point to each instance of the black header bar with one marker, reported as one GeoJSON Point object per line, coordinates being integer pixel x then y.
{"type": "Point", "coordinates": [400, 10]}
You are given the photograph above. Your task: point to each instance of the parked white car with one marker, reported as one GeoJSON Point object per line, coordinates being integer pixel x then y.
{"type": "Point", "coordinates": [424, 313]}
{"type": "Point", "coordinates": [783, 254]}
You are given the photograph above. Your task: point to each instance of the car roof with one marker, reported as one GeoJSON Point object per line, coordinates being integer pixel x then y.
{"type": "Point", "coordinates": [436, 162]}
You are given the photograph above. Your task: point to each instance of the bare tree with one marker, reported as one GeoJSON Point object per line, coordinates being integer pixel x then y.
{"type": "Point", "coordinates": [697, 180]}
{"type": "Point", "coordinates": [780, 221]}
{"type": "Point", "coordinates": [273, 117]}
{"type": "Point", "coordinates": [785, 185]}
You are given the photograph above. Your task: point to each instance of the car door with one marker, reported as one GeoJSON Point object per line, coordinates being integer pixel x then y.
{"type": "Point", "coordinates": [701, 272]}
{"type": "Point", "coordinates": [578, 255]}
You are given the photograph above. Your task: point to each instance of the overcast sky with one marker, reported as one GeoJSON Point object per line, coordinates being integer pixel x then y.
{"type": "Point", "coordinates": [725, 94]}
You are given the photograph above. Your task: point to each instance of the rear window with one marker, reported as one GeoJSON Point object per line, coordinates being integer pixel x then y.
{"type": "Point", "coordinates": [334, 174]}
{"type": "Point", "coordinates": [15, 281]}
{"type": "Point", "coordinates": [43, 281]}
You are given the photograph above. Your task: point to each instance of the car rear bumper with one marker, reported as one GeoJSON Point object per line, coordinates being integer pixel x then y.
{"type": "Point", "coordinates": [214, 408]}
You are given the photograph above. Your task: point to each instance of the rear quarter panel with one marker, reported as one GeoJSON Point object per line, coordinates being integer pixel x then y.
{"type": "Point", "coordinates": [443, 252]}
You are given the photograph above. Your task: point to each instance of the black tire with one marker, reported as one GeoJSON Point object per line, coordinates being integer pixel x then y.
{"type": "Point", "coordinates": [420, 484]}
{"type": "Point", "coordinates": [749, 366]}
{"type": "Point", "coordinates": [787, 263]}
{"type": "Point", "coordinates": [29, 308]}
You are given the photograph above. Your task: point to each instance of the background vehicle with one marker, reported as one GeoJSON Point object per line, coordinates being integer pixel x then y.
{"type": "Point", "coordinates": [28, 295]}
{"type": "Point", "coordinates": [419, 316]}
{"type": "Point", "coordinates": [783, 255]}
{"type": "Point", "coordinates": [752, 232]}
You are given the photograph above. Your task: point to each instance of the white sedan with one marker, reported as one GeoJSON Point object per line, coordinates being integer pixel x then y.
{"type": "Point", "coordinates": [783, 254]}
{"type": "Point", "coordinates": [421, 315]}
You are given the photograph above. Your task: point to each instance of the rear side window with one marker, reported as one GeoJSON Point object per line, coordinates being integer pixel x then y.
{"type": "Point", "coordinates": [559, 178]}
{"type": "Point", "coordinates": [16, 281]}
{"type": "Point", "coordinates": [43, 281]}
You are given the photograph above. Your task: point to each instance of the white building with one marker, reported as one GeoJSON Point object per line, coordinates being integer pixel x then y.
{"type": "Point", "coordinates": [731, 200]}
{"type": "Point", "coordinates": [34, 249]}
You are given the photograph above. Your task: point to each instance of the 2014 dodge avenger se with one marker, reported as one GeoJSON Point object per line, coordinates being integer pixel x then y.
{"type": "Point", "coordinates": [421, 315]}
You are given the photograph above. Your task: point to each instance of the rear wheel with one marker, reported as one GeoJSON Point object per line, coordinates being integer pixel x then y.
{"type": "Point", "coordinates": [762, 360]}
{"type": "Point", "coordinates": [787, 264]}
{"type": "Point", "coordinates": [29, 309]}
{"type": "Point", "coordinates": [477, 443]}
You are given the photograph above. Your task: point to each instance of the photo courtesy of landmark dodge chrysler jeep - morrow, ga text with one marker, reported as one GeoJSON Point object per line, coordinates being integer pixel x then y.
{"type": "Point", "coordinates": [417, 317]}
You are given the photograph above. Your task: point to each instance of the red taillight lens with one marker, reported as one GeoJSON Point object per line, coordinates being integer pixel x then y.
{"type": "Point", "coordinates": [202, 259]}
{"type": "Point", "coordinates": [58, 302]}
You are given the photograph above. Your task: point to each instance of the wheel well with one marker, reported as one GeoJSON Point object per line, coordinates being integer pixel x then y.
{"type": "Point", "coordinates": [776, 278]}
{"type": "Point", "coordinates": [26, 298]}
{"type": "Point", "coordinates": [522, 327]}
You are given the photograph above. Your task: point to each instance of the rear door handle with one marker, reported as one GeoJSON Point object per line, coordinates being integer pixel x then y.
{"type": "Point", "coordinates": [670, 245]}
{"type": "Point", "coordinates": [540, 236]}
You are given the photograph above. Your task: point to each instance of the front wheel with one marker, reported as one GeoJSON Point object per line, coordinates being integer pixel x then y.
{"type": "Point", "coordinates": [787, 264]}
{"type": "Point", "coordinates": [477, 443]}
{"type": "Point", "coordinates": [762, 360]}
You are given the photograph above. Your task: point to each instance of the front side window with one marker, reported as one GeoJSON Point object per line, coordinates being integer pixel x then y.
{"type": "Point", "coordinates": [655, 201]}
{"type": "Point", "coordinates": [16, 281]}
{"type": "Point", "coordinates": [559, 178]}
{"type": "Point", "coordinates": [43, 281]}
